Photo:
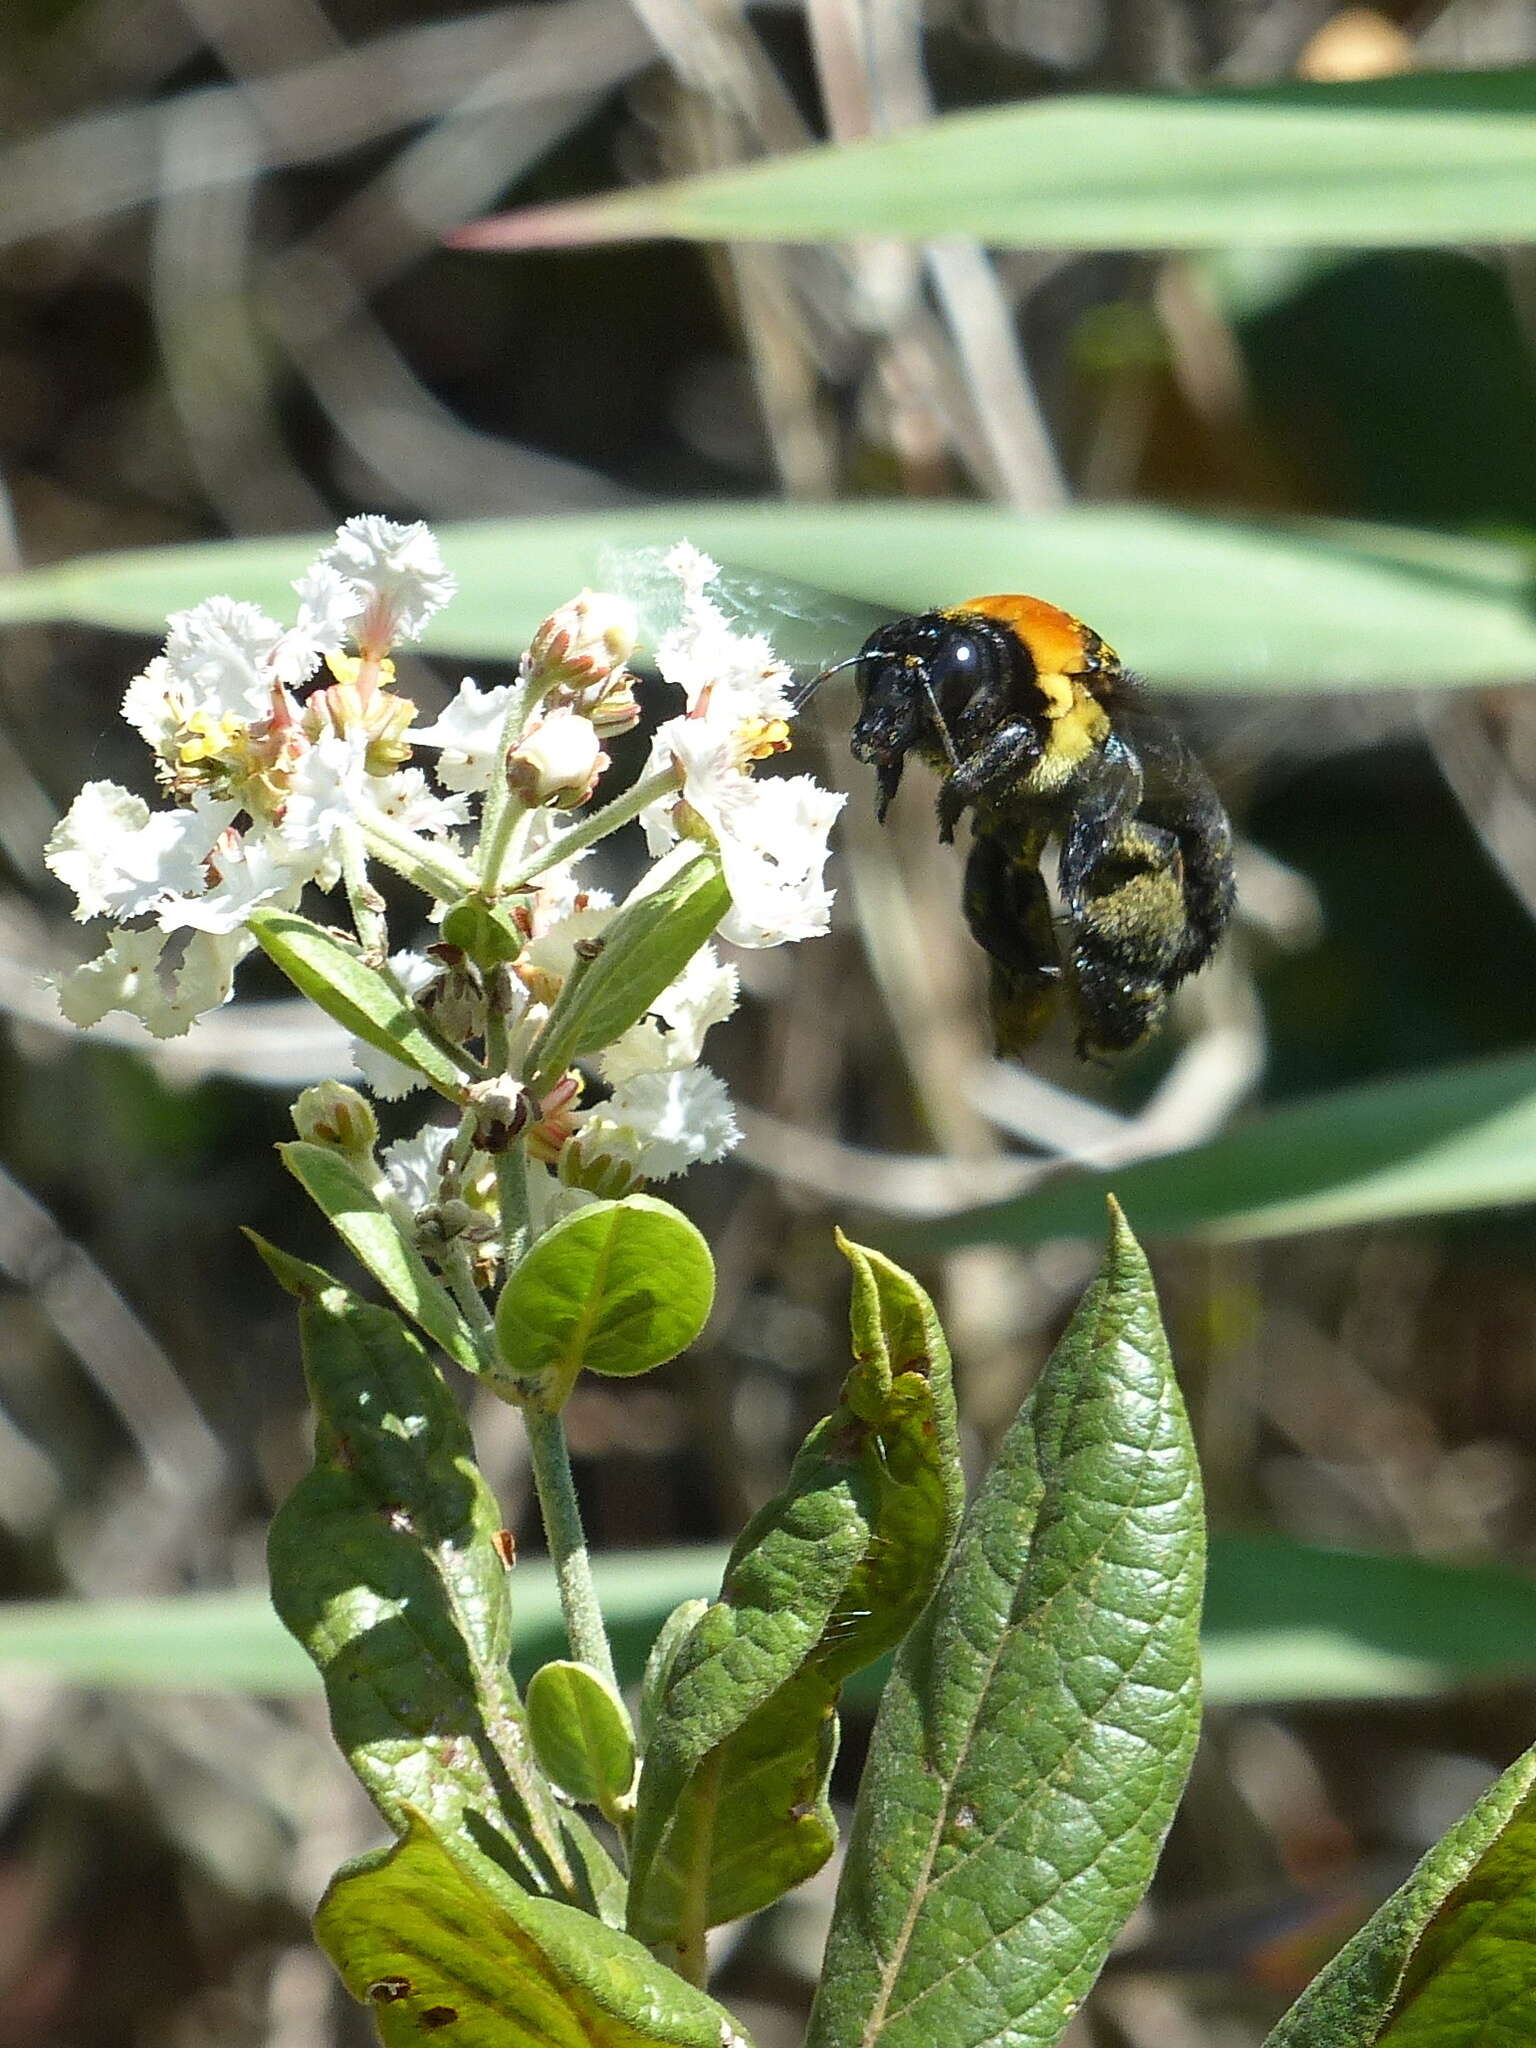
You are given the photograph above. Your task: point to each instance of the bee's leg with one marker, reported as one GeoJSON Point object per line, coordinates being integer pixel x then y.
{"type": "Point", "coordinates": [1009, 913]}
{"type": "Point", "coordinates": [1122, 889]}
{"type": "Point", "coordinates": [1204, 834]}
{"type": "Point", "coordinates": [1004, 758]}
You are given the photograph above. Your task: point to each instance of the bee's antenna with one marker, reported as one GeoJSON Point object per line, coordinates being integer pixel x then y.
{"type": "Point", "coordinates": [808, 690]}
{"type": "Point", "coordinates": [938, 716]}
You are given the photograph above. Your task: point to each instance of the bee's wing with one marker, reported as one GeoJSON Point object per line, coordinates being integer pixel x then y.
{"type": "Point", "coordinates": [809, 628]}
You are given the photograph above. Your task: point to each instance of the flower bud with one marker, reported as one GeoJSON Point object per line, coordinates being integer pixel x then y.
{"type": "Point", "coordinates": [455, 997]}
{"type": "Point", "coordinates": [557, 761]}
{"type": "Point", "coordinates": [583, 642]}
{"type": "Point", "coordinates": [600, 1168]}
{"type": "Point", "coordinates": [335, 1115]}
{"type": "Point", "coordinates": [503, 1109]}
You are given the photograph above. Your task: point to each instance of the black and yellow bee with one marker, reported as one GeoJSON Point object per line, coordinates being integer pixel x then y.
{"type": "Point", "coordinates": [1039, 732]}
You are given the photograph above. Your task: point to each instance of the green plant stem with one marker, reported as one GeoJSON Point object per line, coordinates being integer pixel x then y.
{"type": "Point", "coordinates": [461, 1282]}
{"type": "Point", "coordinates": [366, 902]}
{"type": "Point", "coordinates": [550, 1459]}
{"type": "Point", "coordinates": [512, 1201]}
{"type": "Point", "coordinates": [436, 869]}
{"type": "Point", "coordinates": [500, 814]}
{"type": "Point", "coordinates": [599, 824]}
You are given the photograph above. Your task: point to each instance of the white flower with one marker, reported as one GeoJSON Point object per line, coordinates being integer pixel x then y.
{"type": "Point", "coordinates": [663, 1123]}
{"type": "Point", "coordinates": [220, 658]}
{"type": "Point", "coordinates": [132, 975]}
{"type": "Point", "coordinates": [771, 832]}
{"type": "Point", "coordinates": [671, 1033]}
{"type": "Point", "coordinates": [407, 799]}
{"type": "Point", "coordinates": [245, 872]}
{"type": "Point", "coordinates": [413, 1169]}
{"type": "Point", "coordinates": [469, 733]}
{"type": "Point", "coordinates": [399, 571]}
{"type": "Point", "coordinates": [733, 678]}
{"type": "Point", "coordinates": [121, 858]}
{"type": "Point", "coordinates": [329, 607]}
{"type": "Point", "coordinates": [326, 790]}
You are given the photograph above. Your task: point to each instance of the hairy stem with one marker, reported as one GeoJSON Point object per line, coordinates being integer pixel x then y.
{"type": "Point", "coordinates": [550, 1459]}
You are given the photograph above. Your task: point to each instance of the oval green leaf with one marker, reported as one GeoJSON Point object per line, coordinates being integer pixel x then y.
{"type": "Point", "coordinates": [437, 1955]}
{"type": "Point", "coordinates": [374, 1237]}
{"type": "Point", "coordinates": [330, 971]}
{"type": "Point", "coordinates": [617, 1288]}
{"type": "Point", "coordinates": [581, 1734]}
{"type": "Point", "coordinates": [386, 1567]}
{"type": "Point", "coordinates": [1039, 1724]}
{"type": "Point", "coordinates": [644, 950]}
{"type": "Point", "coordinates": [1450, 1960]}
{"type": "Point", "coordinates": [732, 1807]}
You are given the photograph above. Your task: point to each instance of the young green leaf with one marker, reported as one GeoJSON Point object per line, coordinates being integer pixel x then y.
{"type": "Point", "coordinates": [616, 1288]}
{"type": "Point", "coordinates": [1450, 1960]}
{"type": "Point", "coordinates": [1038, 1727]}
{"type": "Point", "coordinates": [731, 1807]}
{"type": "Point", "coordinates": [670, 1637]}
{"type": "Point", "coordinates": [581, 1734]}
{"type": "Point", "coordinates": [433, 1950]}
{"type": "Point", "coordinates": [385, 1566]}
{"type": "Point", "coordinates": [644, 950]}
{"type": "Point", "coordinates": [329, 970]}
{"type": "Point", "coordinates": [374, 1236]}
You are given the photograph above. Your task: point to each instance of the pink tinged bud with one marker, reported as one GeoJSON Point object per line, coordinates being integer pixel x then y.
{"type": "Point", "coordinates": [557, 762]}
{"type": "Point", "coordinates": [584, 641]}
{"type": "Point", "coordinates": [557, 1112]}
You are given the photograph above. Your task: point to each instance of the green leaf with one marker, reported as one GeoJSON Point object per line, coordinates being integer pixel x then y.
{"type": "Point", "coordinates": [1040, 1721]}
{"type": "Point", "coordinates": [1450, 1960]}
{"type": "Point", "coordinates": [1324, 605]}
{"type": "Point", "coordinates": [732, 1808]}
{"type": "Point", "coordinates": [1455, 1137]}
{"type": "Point", "coordinates": [385, 1566]}
{"type": "Point", "coordinates": [581, 1734]}
{"type": "Point", "coordinates": [657, 1676]}
{"type": "Point", "coordinates": [1435, 157]}
{"type": "Point", "coordinates": [616, 1288]}
{"type": "Point", "coordinates": [644, 950]}
{"type": "Point", "coordinates": [436, 1954]}
{"type": "Point", "coordinates": [332, 973]}
{"type": "Point", "coordinates": [487, 932]}
{"type": "Point", "coordinates": [368, 1230]}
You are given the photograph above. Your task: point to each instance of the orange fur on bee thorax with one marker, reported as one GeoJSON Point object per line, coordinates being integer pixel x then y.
{"type": "Point", "coordinates": [1063, 648]}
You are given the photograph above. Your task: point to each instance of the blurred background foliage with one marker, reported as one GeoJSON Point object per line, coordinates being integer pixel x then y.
{"type": "Point", "coordinates": [226, 313]}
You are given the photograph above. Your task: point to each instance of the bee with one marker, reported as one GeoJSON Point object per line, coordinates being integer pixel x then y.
{"type": "Point", "coordinates": [1037, 730]}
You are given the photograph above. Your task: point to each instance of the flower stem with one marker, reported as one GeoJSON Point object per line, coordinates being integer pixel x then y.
{"type": "Point", "coordinates": [436, 869]}
{"type": "Point", "coordinates": [550, 1459]}
{"type": "Point", "coordinates": [367, 904]}
{"type": "Point", "coordinates": [599, 824]}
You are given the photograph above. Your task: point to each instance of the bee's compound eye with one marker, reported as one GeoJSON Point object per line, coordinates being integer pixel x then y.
{"type": "Point", "coordinates": [954, 670]}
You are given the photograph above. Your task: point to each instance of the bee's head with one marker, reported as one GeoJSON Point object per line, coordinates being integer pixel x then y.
{"type": "Point", "coordinates": [915, 679]}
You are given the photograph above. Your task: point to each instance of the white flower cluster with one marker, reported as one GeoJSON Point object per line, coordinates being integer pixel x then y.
{"type": "Point", "coordinates": [285, 754]}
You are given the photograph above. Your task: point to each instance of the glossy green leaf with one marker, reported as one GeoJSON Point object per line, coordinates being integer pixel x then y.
{"type": "Point", "coordinates": [1036, 1732]}
{"type": "Point", "coordinates": [1434, 157]}
{"type": "Point", "coordinates": [438, 1955]}
{"type": "Point", "coordinates": [335, 977]}
{"type": "Point", "coordinates": [732, 1806]}
{"type": "Point", "coordinates": [1450, 1960]}
{"type": "Point", "coordinates": [1207, 604]}
{"type": "Point", "coordinates": [644, 950]}
{"type": "Point", "coordinates": [374, 1237]}
{"type": "Point", "coordinates": [616, 1288]}
{"type": "Point", "coordinates": [581, 1733]}
{"type": "Point", "coordinates": [385, 1566]}
{"type": "Point", "coordinates": [1456, 1137]}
